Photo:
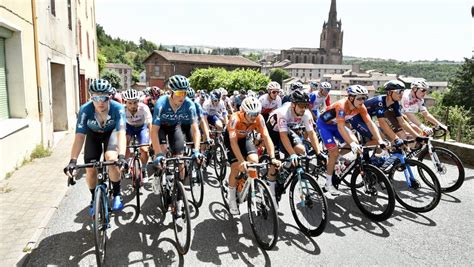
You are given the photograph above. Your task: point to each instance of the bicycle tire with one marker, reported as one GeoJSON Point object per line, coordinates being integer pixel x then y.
{"type": "Point", "coordinates": [317, 206]}
{"type": "Point", "coordinates": [224, 187]}
{"type": "Point", "coordinates": [374, 179]}
{"type": "Point", "coordinates": [197, 185]}
{"type": "Point", "coordinates": [441, 170]}
{"type": "Point", "coordinates": [403, 191]}
{"type": "Point", "coordinates": [266, 202]}
{"type": "Point", "coordinates": [100, 225]}
{"type": "Point", "coordinates": [220, 161]}
{"type": "Point", "coordinates": [137, 181]}
{"type": "Point", "coordinates": [164, 192]}
{"type": "Point", "coordinates": [183, 247]}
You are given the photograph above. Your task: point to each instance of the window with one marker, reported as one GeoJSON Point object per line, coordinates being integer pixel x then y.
{"type": "Point", "coordinates": [88, 48]}
{"type": "Point", "coordinates": [304, 60]}
{"type": "Point", "coordinates": [4, 111]}
{"type": "Point", "coordinates": [296, 59]}
{"type": "Point", "coordinates": [53, 7]}
{"type": "Point", "coordinates": [157, 71]}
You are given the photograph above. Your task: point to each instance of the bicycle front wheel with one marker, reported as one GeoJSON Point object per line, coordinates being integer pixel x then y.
{"type": "Point", "coordinates": [446, 165]}
{"type": "Point", "coordinates": [417, 191]}
{"type": "Point", "coordinates": [101, 215]}
{"type": "Point", "coordinates": [372, 193]}
{"type": "Point", "coordinates": [262, 215]}
{"type": "Point", "coordinates": [137, 180]}
{"type": "Point", "coordinates": [220, 161]}
{"type": "Point", "coordinates": [308, 205]}
{"type": "Point", "coordinates": [197, 185]}
{"type": "Point", "coordinates": [181, 219]}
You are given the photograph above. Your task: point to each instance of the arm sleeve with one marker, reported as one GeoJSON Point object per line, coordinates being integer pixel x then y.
{"type": "Point", "coordinates": [81, 125]}
{"type": "Point", "coordinates": [157, 114]}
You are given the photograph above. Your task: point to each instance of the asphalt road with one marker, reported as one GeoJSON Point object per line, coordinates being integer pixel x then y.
{"type": "Point", "coordinates": [443, 236]}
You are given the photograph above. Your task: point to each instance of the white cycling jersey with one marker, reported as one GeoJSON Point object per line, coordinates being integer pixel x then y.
{"type": "Point", "coordinates": [210, 110]}
{"type": "Point", "coordinates": [142, 116]}
{"type": "Point", "coordinates": [267, 104]}
{"type": "Point", "coordinates": [411, 104]}
{"type": "Point", "coordinates": [282, 119]}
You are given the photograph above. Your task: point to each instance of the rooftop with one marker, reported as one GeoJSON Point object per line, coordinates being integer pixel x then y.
{"type": "Point", "coordinates": [318, 66]}
{"type": "Point", "coordinates": [117, 66]}
{"type": "Point", "coordinates": [210, 59]}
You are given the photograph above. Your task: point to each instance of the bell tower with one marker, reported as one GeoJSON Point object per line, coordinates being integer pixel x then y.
{"type": "Point", "coordinates": [331, 37]}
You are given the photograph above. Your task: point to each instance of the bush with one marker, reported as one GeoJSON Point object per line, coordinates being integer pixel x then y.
{"type": "Point", "coordinates": [212, 78]}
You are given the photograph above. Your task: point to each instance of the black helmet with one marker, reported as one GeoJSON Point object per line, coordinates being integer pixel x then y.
{"type": "Point", "coordinates": [299, 96]}
{"type": "Point", "coordinates": [394, 85]}
{"type": "Point", "coordinates": [296, 86]}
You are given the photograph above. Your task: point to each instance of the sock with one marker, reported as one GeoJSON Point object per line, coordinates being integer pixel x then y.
{"type": "Point", "coordinates": [328, 179]}
{"type": "Point", "coordinates": [271, 184]}
{"type": "Point", "coordinates": [92, 193]}
{"type": "Point", "coordinates": [116, 188]}
{"type": "Point", "coordinates": [232, 191]}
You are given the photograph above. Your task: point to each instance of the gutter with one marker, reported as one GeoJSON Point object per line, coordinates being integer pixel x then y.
{"type": "Point", "coordinates": [37, 65]}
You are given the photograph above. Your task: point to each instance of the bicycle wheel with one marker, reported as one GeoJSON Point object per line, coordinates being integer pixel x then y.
{"type": "Point", "coordinates": [101, 215]}
{"type": "Point", "coordinates": [137, 180]}
{"type": "Point", "coordinates": [197, 184]}
{"type": "Point", "coordinates": [375, 198]}
{"type": "Point", "coordinates": [220, 161]}
{"type": "Point", "coordinates": [446, 165]}
{"type": "Point", "coordinates": [160, 188]}
{"type": "Point", "coordinates": [423, 194]}
{"type": "Point", "coordinates": [181, 220]}
{"type": "Point", "coordinates": [224, 187]}
{"type": "Point", "coordinates": [308, 205]}
{"type": "Point", "coordinates": [262, 215]}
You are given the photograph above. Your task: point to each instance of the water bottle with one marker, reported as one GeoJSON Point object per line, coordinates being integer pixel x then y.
{"type": "Point", "coordinates": [337, 168]}
{"type": "Point", "coordinates": [240, 185]}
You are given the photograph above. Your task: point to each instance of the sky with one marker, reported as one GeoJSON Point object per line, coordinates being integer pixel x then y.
{"type": "Point", "coordinates": [405, 30]}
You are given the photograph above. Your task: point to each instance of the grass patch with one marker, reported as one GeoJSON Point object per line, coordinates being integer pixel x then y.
{"type": "Point", "coordinates": [40, 152]}
{"type": "Point", "coordinates": [5, 189]}
{"type": "Point", "coordinates": [8, 175]}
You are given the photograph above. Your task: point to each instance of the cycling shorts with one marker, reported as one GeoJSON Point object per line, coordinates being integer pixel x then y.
{"type": "Point", "coordinates": [96, 142]}
{"type": "Point", "coordinates": [329, 133]}
{"type": "Point", "coordinates": [246, 147]}
{"type": "Point", "coordinates": [212, 119]}
{"type": "Point", "coordinates": [141, 132]}
{"type": "Point", "coordinates": [172, 135]}
{"type": "Point", "coordinates": [294, 141]}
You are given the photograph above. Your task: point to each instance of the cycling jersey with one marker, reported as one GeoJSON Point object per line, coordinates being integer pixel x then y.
{"type": "Point", "coordinates": [377, 106]}
{"type": "Point", "coordinates": [142, 116]}
{"type": "Point", "coordinates": [283, 119]}
{"type": "Point", "coordinates": [411, 103]}
{"type": "Point", "coordinates": [87, 119]}
{"type": "Point", "coordinates": [165, 115]}
{"type": "Point", "coordinates": [149, 102]}
{"type": "Point", "coordinates": [210, 109]}
{"type": "Point", "coordinates": [199, 111]}
{"type": "Point", "coordinates": [340, 111]}
{"type": "Point", "coordinates": [268, 105]}
{"type": "Point", "coordinates": [238, 128]}
{"type": "Point", "coordinates": [316, 102]}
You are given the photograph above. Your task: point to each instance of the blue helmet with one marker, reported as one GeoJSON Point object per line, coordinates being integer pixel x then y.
{"type": "Point", "coordinates": [178, 83]}
{"type": "Point", "coordinates": [215, 95]}
{"type": "Point", "coordinates": [100, 86]}
{"type": "Point", "coordinates": [313, 85]}
{"type": "Point", "coordinates": [190, 93]}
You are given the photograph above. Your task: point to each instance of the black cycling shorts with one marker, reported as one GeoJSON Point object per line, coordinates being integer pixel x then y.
{"type": "Point", "coordinates": [246, 147]}
{"type": "Point", "coordinates": [294, 140]}
{"type": "Point", "coordinates": [96, 142]}
{"type": "Point", "coordinates": [175, 137]}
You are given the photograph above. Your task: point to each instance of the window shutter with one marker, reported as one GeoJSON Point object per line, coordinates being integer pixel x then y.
{"type": "Point", "coordinates": [4, 114]}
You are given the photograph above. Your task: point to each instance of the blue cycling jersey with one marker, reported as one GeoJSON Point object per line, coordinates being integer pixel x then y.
{"type": "Point", "coordinates": [165, 115]}
{"type": "Point", "coordinates": [199, 111]}
{"type": "Point", "coordinates": [87, 119]}
{"type": "Point", "coordinates": [377, 105]}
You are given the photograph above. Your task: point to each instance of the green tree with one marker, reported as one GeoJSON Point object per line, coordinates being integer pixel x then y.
{"type": "Point", "coordinates": [102, 60]}
{"type": "Point", "coordinates": [278, 75]}
{"type": "Point", "coordinates": [211, 78]}
{"type": "Point", "coordinates": [113, 78]}
{"type": "Point", "coordinates": [461, 87]}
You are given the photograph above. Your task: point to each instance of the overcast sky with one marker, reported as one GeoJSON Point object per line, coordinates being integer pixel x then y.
{"type": "Point", "coordinates": [398, 29]}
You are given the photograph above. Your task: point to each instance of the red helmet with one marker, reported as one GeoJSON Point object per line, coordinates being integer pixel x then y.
{"type": "Point", "coordinates": [155, 91]}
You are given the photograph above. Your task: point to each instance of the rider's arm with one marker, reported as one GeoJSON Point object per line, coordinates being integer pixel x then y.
{"type": "Point", "coordinates": [122, 141]}
{"type": "Point", "coordinates": [286, 143]}
{"type": "Point", "coordinates": [386, 129]}
{"type": "Point", "coordinates": [235, 147]}
{"type": "Point", "coordinates": [406, 127]}
{"type": "Point", "coordinates": [370, 124]}
{"type": "Point", "coordinates": [341, 127]}
{"type": "Point", "coordinates": [196, 135]}
{"type": "Point", "coordinates": [313, 138]}
{"type": "Point", "coordinates": [204, 128]}
{"type": "Point", "coordinates": [412, 117]}
{"type": "Point", "coordinates": [430, 118]}
{"type": "Point", "coordinates": [77, 145]}
{"type": "Point", "coordinates": [155, 140]}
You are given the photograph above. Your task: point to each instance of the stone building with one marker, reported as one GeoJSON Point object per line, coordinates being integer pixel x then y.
{"type": "Point", "coordinates": [125, 72]}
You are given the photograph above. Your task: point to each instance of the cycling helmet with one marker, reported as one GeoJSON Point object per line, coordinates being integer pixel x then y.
{"type": "Point", "coordinates": [100, 86]}
{"type": "Point", "coordinates": [394, 85]}
{"type": "Point", "coordinates": [313, 85]}
{"type": "Point", "coordinates": [131, 94]}
{"type": "Point", "coordinates": [190, 93]}
{"type": "Point", "coordinates": [299, 96]}
{"type": "Point", "coordinates": [420, 84]}
{"type": "Point", "coordinates": [357, 90]}
{"type": "Point", "coordinates": [296, 86]}
{"type": "Point", "coordinates": [215, 95]}
{"type": "Point", "coordinates": [325, 86]}
{"type": "Point", "coordinates": [243, 92]}
{"type": "Point", "coordinates": [251, 93]}
{"type": "Point", "coordinates": [147, 91]}
{"type": "Point", "coordinates": [178, 83]}
{"type": "Point", "coordinates": [114, 90]}
{"type": "Point", "coordinates": [222, 90]}
{"type": "Point", "coordinates": [251, 105]}
{"type": "Point", "coordinates": [273, 86]}
{"type": "Point", "coordinates": [154, 91]}
{"type": "Point", "coordinates": [236, 92]}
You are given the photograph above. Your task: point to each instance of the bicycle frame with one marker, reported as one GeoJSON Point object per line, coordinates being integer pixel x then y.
{"type": "Point", "coordinates": [401, 155]}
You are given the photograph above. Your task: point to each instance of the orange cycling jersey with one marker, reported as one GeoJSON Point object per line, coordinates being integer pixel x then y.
{"type": "Point", "coordinates": [237, 127]}
{"type": "Point", "coordinates": [339, 111]}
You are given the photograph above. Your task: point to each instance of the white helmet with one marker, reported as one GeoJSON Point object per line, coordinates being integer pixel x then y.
{"type": "Point", "coordinates": [236, 92]}
{"type": "Point", "coordinates": [420, 84]}
{"type": "Point", "coordinates": [131, 94]}
{"type": "Point", "coordinates": [325, 86]}
{"type": "Point", "coordinates": [251, 93]}
{"type": "Point", "coordinates": [357, 90]}
{"type": "Point", "coordinates": [273, 86]}
{"type": "Point", "coordinates": [251, 105]}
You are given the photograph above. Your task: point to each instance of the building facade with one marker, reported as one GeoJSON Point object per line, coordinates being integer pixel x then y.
{"type": "Point", "coordinates": [307, 71]}
{"type": "Point", "coordinates": [125, 72]}
{"type": "Point", "coordinates": [160, 65]}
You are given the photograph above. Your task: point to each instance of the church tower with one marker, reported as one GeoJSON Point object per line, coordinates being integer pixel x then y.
{"type": "Point", "coordinates": [331, 38]}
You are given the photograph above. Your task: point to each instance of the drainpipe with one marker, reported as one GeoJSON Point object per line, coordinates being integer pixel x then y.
{"type": "Point", "coordinates": [37, 65]}
{"type": "Point", "coordinates": [78, 83]}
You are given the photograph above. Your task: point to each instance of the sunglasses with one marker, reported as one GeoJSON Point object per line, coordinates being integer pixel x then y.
{"type": "Point", "coordinates": [180, 93]}
{"type": "Point", "coordinates": [274, 92]}
{"type": "Point", "coordinates": [425, 90]}
{"type": "Point", "coordinates": [302, 105]}
{"type": "Point", "coordinates": [101, 98]}
{"type": "Point", "coordinates": [133, 102]}
{"type": "Point", "coordinates": [253, 114]}
{"type": "Point", "coordinates": [361, 98]}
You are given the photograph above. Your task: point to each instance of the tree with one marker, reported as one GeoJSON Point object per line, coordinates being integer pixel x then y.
{"type": "Point", "coordinates": [174, 50]}
{"type": "Point", "coordinates": [211, 78]}
{"type": "Point", "coordinates": [102, 60]}
{"type": "Point", "coordinates": [113, 77]}
{"type": "Point", "coordinates": [278, 75]}
{"type": "Point", "coordinates": [461, 87]}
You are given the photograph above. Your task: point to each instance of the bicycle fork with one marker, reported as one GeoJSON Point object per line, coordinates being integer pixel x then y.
{"type": "Point", "coordinates": [303, 185]}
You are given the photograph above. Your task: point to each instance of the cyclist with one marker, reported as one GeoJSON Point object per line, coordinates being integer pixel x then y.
{"type": "Point", "coordinates": [138, 125]}
{"type": "Point", "coordinates": [332, 126]}
{"type": "Point", "coordinates": [271, 100]}
{"type": "Point", "coordinates": [239, 98]}
{"type": "Point", "coordinates": [100, 122]}
{"type": "Point", "coordinates": [117, 96]}
{"type": "Point", "coordinates": [413, 102]}
{"type": "Point", "coordinates": [240, 145]}
{"type": "Point", "coordinates": [293, 86]}
{"type": "Point", "coordinates": [202, 122]}
{"type": "Point", "coordinates": [282, 124]}
{"type": "Point", "coordinates": [214, 111]}
{"type": "Point", "coordinates": [319, 98]}
{"type": "Point", "coordinates": [152, 97]}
